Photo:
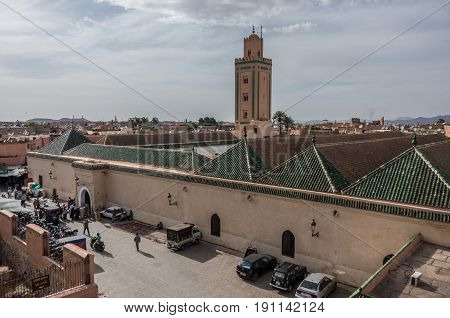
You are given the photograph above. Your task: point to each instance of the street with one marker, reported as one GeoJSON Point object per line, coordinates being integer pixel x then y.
{"type": "Point", "coordinates": [199, 271]}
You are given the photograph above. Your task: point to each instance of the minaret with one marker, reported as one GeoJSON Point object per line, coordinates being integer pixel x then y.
{"type": "Point", "coordinates": [253, 85]}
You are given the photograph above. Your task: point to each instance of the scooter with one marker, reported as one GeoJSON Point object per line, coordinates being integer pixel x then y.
{"type": "Point", "coordinates": [97, 246]}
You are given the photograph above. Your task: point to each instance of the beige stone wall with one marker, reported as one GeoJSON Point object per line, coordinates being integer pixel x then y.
{"type": "Point", "coordinates": [351, 245]}
{"type": "Point", "coordinates": [63, 173]}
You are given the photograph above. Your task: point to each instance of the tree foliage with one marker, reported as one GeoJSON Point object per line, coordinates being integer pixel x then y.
{"type": "Point", "coordinates": [207, 121]}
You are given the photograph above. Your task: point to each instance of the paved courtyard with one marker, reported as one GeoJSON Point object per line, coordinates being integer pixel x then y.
{"type": "Point", "coordinates": [433, 262]}
{"type": "Point", "coordinates": [199, 271]}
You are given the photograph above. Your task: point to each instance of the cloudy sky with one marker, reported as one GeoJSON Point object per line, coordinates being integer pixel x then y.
{"type": "Point", "coordinates": [180, 54]}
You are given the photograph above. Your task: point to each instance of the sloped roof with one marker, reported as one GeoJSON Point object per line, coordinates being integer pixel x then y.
{"type": "Point", "coordinates": [155, 157]}
{"type": "Point", "coordinates": [356, 159]}
{"type": "Point", "coordinates": [408, 178]}
{"type": "Point", "coordinates": [439, 155]}
{"type": "Point", "coordinates": [71, 138]}
{"type": "Point", "coordinates": [307, 170]}
{"type": "Point", "coordinates": [274, 151]}
{"type": "Point", "coordinates": [166, 138]}
{"type": "Point", "coordinates": [240, 162]}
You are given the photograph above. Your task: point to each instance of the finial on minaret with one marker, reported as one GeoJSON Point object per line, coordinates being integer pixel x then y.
{"type": "Point", "coordinates": [414, 140]}
{"type": "Point", "coordinates": [245, 132]}
{"type": "Point", "coordinates": [261, 31]}
{"type": "Point", "coordinates": [253, 30]}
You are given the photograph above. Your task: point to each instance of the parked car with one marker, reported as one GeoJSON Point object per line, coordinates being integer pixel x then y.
{"type": "Point", "coordinates": [286, 275]}
{"type": "Point", "coordinates": [316, 285]}
{"type": "Point", "coordinates": [117, 212]}
{"type": "Point", "coordinates": [182, 235]}
{"type": "Point", "coordinates": [254, 265]}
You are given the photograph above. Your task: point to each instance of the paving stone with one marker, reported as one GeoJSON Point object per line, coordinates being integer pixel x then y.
{"type": "Point", "coordinates": [442, 287]}
{"type": "Point", "coordinates": [426, 250]}
{"type": "Point", "coordinates": [199, 271]}
{"type": "Point", "coordinates": [443, 275]}
{"type": "Point", "coordinates": [421, 259]}
{"type": "Point", "coordinates": [422, 293]}
{"type": "Point", "coordinates": [441, 264]}
{"type": "Point", "coordinates": [439, 257]}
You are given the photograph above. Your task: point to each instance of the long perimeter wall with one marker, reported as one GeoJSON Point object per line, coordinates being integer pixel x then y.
{"type": "Point", "coordinates": [351, 245]}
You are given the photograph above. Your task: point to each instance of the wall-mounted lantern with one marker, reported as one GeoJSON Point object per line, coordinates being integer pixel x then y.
{"type": "Point", "coordinates": [169, 197]}
{"type": "Point", "coordinates": [335, 213]}
{"type": "Point", "coordinates": [51, 175]}
{"type": "Point", "coordinates": [313, 228]}
{"type": "Point", "coordinates": [77, 181]}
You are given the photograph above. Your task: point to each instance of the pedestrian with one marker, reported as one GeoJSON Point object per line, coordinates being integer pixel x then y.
{"type": "Point", "coordinates": [64, 213]}
{"type": "Point", "coordinates": [137, 240]}
{"type": "Point", "coordinates": [86, 227]}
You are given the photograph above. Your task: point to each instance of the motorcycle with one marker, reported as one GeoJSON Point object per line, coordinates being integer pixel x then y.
{"type": "Point", "coordinates": [97, 246]}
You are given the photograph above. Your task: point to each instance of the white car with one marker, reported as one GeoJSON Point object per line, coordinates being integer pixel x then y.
{"type": "Point", "coordinates": [316, 285]}
{"type": "Point", "coordinates": [117, 212]}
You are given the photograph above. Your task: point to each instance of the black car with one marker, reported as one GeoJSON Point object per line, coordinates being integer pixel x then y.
{"type": "Point", "coordinates": [286, 275]}
{"type": "Point", "coordinates": [254, 265]}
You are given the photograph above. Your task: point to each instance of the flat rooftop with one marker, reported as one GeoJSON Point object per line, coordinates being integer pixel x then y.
{"type": "Point", "coordinates": [433, 262]}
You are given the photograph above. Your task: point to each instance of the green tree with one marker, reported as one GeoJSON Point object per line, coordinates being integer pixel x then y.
{"type": "Point", "coordinates": [207, 121]}
{"type": "Point", "coordinates": [155, 121]}
{"type": "Point", "coordinates": [278, 118]}
{"type": "Point", "coordinates": [288, 122]}
{"type": "Point", "coordinates": [440, 121]}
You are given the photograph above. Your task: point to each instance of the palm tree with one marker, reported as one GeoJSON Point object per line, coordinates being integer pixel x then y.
{"type": "Point", "coordinates": [278, 118]}
{"type": "Point", "coordinates": [288, 122]}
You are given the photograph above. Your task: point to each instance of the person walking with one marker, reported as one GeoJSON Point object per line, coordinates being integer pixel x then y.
{"type": "Point", "coordinates": [137, 240]}
{"type": "Point", "coordinates": [86, 227]}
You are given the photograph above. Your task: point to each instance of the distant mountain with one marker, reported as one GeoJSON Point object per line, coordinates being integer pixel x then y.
{"type": "Point", "coordinates": [61, 121]}
{"type": "Point", "coordinates": [418, 120]}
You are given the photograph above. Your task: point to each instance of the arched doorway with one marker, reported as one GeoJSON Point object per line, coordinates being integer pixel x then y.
{"type": "Point", "coordinates": [215, 225]}
{"type": "Point", "coordinates": [84, 198]}
{"type": "Point", "coordinates": [288, 244]}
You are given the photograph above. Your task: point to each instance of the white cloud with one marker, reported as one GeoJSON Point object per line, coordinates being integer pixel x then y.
{"type": "Point", "coordinates": [180, 53]}
{"type": "Point", "coordinates": [298, 27]}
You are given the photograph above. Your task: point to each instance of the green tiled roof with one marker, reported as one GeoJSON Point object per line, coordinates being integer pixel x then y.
{"type": "Point", "coordinates": [360, 204]}
{"type": "Point", "coordinates": [308, 170]}
{"type": "Point", "coordinates": [240, 162]}
{"type": "Point", "coordinates": [408, 178]}
{"type": "Point", "coordinates": [71, 138]}
{"type": "Point", "coordinates": [156, 157]}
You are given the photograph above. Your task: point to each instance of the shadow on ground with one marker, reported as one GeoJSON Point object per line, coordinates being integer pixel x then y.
{"type": "Point", "coordinates": [198, 253]}
{"type": "Point", "coordinates": [146, 254]}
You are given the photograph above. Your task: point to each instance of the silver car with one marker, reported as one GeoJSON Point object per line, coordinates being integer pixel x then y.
{"type": "Point", "coordinates": [316, 285]}
{"type": "Point", "coordinates": [115, 211]}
